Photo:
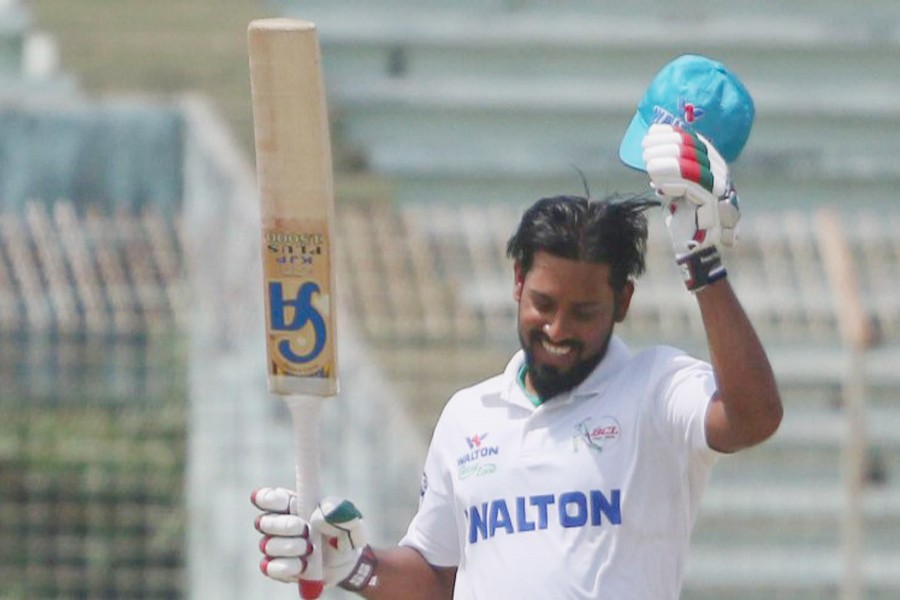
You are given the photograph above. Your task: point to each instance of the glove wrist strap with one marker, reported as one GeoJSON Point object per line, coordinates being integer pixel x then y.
{"type": "Point", "coordinates": [701, 268]}
{"type": "Point", "coordinates": [363, 574]}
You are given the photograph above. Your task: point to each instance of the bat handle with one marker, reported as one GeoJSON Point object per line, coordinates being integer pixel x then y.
{"type": "Point", "coordinates": [305, 416]}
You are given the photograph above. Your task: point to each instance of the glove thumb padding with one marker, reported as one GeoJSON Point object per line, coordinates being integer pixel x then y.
{"type": "Point", "coordinates": [339, 520]}
{"type": "Point", "coordinates": [340, 524]}
{"type": "Point", "coordinates": [729, 215]}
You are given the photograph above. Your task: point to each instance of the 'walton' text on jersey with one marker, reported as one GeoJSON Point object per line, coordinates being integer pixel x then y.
{"type": "Point", "coordinates": [569, 509]}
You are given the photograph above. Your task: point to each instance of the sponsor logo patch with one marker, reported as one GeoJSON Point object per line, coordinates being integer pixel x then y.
{"type": "Point", "coordinates": [475, 462]}
{"type": "Point", "coordinates": [596, 435]}
{"type": "Point", "coordinates": [687, 117]}
{"type": "Point", "coordinates": [509, 516]}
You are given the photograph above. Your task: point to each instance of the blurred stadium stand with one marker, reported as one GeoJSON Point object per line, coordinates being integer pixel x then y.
{"type": "Point", "coordinates": [127, 270]}
{"type": "Point", "coordinates": [498, 100]}
{"type": "Point", "coordinates": [29, 61]}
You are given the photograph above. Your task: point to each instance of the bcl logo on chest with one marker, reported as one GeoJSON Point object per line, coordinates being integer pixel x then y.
{"type": "Point", "coordinates": [596, 435]}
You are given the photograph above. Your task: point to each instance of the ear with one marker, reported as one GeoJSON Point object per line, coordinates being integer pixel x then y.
{"type": "Point", "coordinates": [623, 301]}
{"type": "Point", "coordinates": [519, 281]}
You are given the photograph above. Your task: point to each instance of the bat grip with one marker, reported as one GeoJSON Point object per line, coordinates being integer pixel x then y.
{"type": "Point", "coordinates": [305, 416]}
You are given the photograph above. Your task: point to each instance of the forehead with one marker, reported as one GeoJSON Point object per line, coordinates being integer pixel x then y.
{"type": "Point", "coordinates": [576, 280]}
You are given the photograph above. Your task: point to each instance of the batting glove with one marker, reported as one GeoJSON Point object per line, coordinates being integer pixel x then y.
{"type": "Point", "coordinates": [703, 209]}
{"type": "Point", "coordinates": [347, 559]}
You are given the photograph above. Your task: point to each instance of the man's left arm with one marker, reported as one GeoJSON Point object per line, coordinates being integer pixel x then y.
{"type": "Point", "coordinates": [702, 207]}
{"type": "Point", "coordinates": [747, 406]}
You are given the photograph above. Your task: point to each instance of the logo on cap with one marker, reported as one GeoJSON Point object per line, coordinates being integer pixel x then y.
{"type": "Point", "coordinates": [689, 112]}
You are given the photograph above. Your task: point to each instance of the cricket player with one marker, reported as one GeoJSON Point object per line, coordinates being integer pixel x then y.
{"type": "Point", "coordinates": [577, 472]}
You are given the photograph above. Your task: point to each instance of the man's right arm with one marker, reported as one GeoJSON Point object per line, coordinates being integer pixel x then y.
{"type": "Point", "coordinates": [404, 574]}
{"type": "Point", "coordinates": [398, 573]}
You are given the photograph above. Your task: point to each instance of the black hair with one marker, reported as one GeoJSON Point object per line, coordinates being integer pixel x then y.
{"type": "Point", "coordinates": [612, 230]}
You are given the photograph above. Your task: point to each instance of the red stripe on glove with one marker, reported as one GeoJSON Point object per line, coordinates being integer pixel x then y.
{"type": "Point", "coordinates": [690, 169]}
{"type": "Point", "coordinates": [696, 172]}
{"type": "Point", "coordinates": [687, 139]}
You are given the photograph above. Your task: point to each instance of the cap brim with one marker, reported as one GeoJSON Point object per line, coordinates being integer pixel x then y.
{"type": "Point", "coordinates": [631, 150]}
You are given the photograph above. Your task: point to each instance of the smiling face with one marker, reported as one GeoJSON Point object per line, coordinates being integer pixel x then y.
{"type": "Point", "coordinates": [567, 310]}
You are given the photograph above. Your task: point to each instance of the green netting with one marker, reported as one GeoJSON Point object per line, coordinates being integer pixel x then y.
{"type": "Point", "coordinates": [91, 482]}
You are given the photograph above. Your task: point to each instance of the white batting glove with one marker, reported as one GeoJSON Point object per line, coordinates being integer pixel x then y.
{"type": "Point", "coordinates": [347, 560]}
{"type": "Point", "coordinates": [694, 181]}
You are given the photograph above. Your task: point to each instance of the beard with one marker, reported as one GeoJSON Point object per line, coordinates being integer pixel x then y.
{"type": "Point", "coordinates": [547, 380]}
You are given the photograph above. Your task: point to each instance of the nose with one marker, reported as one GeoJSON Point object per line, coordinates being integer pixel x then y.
{"type": "Point", "coordinates": [556, 328]}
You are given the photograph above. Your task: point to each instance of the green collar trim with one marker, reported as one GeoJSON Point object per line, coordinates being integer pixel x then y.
{"type": "Point", "coordinates": [533, 398]}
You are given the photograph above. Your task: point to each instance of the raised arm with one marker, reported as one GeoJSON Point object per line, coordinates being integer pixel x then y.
{"type": "Point", "coordinates": [747, 407]}
{"type": "Point", "coordinates": [703, 210]}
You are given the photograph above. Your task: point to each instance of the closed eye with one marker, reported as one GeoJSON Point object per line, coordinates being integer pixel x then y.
{"type": "Point", "coordinates": [585, 315]}
{"type": "Point", "coordinates": [542, 303]}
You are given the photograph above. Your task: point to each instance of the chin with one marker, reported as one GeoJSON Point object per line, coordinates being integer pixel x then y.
{"type": "Point", "coordinates": [549, 381]}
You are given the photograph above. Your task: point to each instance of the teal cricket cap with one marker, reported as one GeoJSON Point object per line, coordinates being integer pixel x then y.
{"type": "Point", "coordinates": [699, 95]}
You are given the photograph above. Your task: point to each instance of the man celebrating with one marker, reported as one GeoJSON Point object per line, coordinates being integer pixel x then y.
{"type": "Point", "coordinates": [578, 471]}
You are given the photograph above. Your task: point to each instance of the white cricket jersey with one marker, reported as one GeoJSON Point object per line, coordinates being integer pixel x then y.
{"type": "Point", "coordinates": [592, 494]}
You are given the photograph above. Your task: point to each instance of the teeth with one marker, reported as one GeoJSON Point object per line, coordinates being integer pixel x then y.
{"type": "Point", "coordinates": [555, 350]}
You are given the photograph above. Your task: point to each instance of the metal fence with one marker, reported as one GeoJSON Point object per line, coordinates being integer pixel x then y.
{"type": "Point", "coordinates": [92, 405]}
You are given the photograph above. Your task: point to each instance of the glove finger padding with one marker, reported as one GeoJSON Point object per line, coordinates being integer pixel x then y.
{"type": "Point", "coordinates": [284, 547]}
{"type": "Point", "coordinates": [275, 500]}
{"type": "Point", "coordinates": [287, 570]}
{"type": "Point", "coordinates": [694, 181]}
{"type": "Point", "coordinates": [281, 525]}
{"type": "Point", "coordinates": [682, 163]}
{"type": "Point", "coordinates": [285, 543]}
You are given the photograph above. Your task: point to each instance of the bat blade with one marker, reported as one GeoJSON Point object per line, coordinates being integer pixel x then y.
{"type": "Point", "coordinates": [293, 158]}
{"type": "Point", "coordinates": [296, 190]}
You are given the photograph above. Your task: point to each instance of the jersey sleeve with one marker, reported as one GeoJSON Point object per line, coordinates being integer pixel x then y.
{"type": "Point", "coordinates": [687, 388]}
{"type": "Point", "coordinates": [433, 530]}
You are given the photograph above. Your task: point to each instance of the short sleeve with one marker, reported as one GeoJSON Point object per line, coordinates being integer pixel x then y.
{"type": "Point", "coordinates": [433, 530]}
{"type": "Point", "coordinates": [687, 389]}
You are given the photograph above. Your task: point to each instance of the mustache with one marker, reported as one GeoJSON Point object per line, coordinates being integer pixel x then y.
{"type": "Point", "coordinates": [537, 336]}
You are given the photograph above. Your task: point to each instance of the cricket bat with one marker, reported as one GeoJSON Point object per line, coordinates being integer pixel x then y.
{"type": "Point", "coordinates": [296, 191]}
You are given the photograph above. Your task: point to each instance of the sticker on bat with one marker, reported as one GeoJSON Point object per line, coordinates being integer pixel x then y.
{"type": "Point", "coordinates": [298, 306]}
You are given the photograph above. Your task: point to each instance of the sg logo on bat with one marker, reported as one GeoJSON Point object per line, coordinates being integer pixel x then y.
{"type": "Point", "coordinates": [298, 306]}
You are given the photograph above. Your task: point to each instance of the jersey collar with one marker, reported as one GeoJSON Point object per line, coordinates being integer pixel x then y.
{"type": "Point", "coordinates": [617, 354]}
